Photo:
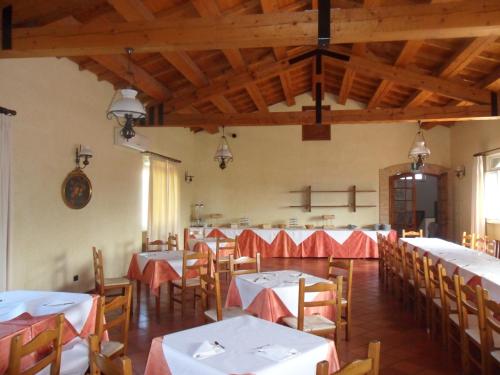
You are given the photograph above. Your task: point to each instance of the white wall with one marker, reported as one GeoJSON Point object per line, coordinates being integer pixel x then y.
{"type": "Point", "coordinates": [269, 162]}
{"type": "Point", "coordinates": [58, 108]}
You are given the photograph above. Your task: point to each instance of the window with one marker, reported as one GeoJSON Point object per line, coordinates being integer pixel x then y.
{"type": "Point", "coordinates": [492, 188]}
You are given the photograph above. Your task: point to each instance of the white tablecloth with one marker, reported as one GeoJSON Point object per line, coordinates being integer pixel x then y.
{"type": "Point", "coordinates": [298, 235]}
{"type": "Point", "coordinates": [241, 337]}
{"type": "Point", "coordinates": [75, 306]}
{"type": "Point", "coordinates": [469, 262]}
{"type": "Point", "coordinates": [174, 258]}
{"type": "Point", "coordinates": [284, 283]}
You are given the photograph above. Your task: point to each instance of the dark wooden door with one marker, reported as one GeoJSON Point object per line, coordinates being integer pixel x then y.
{"type": "Point", "coordinates": [403, 198]}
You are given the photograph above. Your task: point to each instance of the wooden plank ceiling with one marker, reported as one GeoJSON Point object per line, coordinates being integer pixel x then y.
{"type": "Point", "coordinates": [392, 76]}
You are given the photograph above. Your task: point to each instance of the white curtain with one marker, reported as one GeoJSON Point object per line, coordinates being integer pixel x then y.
{"type": "Point", "coordinates": [5, 160]}
{"type": "Point", "coordinates": [163, 213]}
{"type": "Point", "coordinates": [478, 222]}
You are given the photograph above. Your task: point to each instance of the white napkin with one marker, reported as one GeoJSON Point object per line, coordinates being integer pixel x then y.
{"type": "Point", "coordinates": [207, 349]}
{"type": "Point", "coordinates": [276, 353]}
{"type": "Point", "coordinates": [261, 280]}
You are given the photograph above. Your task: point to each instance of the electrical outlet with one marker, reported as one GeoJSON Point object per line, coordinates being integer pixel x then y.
{"type": "Point", "coordinates": [75, 278]}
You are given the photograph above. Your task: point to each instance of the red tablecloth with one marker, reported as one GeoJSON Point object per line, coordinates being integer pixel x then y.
{"type": "Point", "coordinates": [319, 244]}
{"type": "Point", "coordinates": [30, 326]}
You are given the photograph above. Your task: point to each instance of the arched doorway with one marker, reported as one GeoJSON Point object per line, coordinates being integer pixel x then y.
{"type": "Point", "coordinates": [398, 191]}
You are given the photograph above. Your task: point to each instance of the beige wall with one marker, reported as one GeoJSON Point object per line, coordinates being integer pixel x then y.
{"type": "Point", "coordinates": [466, 140]}
{"type": "Point", "coordinates": [59, 107]}
{"type": "Point", "coordinates": [271, 162]}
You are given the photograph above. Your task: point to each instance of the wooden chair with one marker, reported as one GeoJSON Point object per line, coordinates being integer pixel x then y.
{"type": "Point", "coordinates": [486, 245]}
{"type": "Point", "coordinates": [224, 248]}
{"type": "Point", "coordinates": [412, 233]}
{"type": "Point", "coordinates": [210, 288]}
{"type": "Point", "coordinates": [384, 261]}
{"type": "Point", "coordinates": [173, 241]}
{"type": "Point", "coordinates": [344, 268]}
{"type": "Point", "coordinates": [469, 240]}
{"type": "Point", "coordinates": [421, 277]}
{"type": "Point", "coordinates": [367, 366]}
{"type": "Point", "coordinates": [193, 265]}
{"type": "Point", "coordinates": [435, 295]}
{"type": "Point", "coordinates": [408, 277]}
{"type": "Point", "coordinates": [471, 310]}
{"type": "Point", "coordinates": [48, 339]}
{"type": "Point", "coordinates": [99, 363]}
{"type": "Point", "coordinates": [395, 269]}
{"type": "Point", "coordinates": [317, 324]}
{"type": "Point", "coordinates": [491, 342]}
{"type": "Point", "coordinates": [102, 284]}
{"type": "Point", "coordinates": [451, 316]}
{"type": "Point", "coordinates": [114, 315]}
{"type": "Point", "coordinates": [235, 265]}
{"type": "Point", "coordinates": [156, 245]}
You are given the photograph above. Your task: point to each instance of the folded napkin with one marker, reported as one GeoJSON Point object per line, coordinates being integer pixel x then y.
{"type": "Point", "coordinates": [207, 349]}
{"type": "Point", "coordinates": [276, 353]}
{"type": "Point", "coordinates": [261, 280]}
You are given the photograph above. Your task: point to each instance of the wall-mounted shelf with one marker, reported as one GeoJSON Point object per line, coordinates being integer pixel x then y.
{"type": "Point", "coordinates": [352, 191]}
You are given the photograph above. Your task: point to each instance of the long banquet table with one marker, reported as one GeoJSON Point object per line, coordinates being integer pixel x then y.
{"type": "Point", "coordinates": [300, 243]}
{"type": "Point", "coordinates": [475, 267]}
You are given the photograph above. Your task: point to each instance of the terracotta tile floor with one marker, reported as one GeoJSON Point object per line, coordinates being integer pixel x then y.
{"type": "Point", "coordinates": [406, 349]}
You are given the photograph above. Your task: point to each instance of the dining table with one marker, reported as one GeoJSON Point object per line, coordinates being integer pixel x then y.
{"type": "Point", "coordinates": [241, 345]}
{"type": "Point", "coordinates": [474, 266]}
{"type": "Point", "coordinates": [29, 313]}
{"type": "Point", "coordinates": [295, 242]}
{"type": "Point", "coordinates": [274, 295]}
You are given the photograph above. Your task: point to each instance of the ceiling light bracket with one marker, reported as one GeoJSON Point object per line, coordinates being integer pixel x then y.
{"type": "Point", "coordinates": [323, 23]}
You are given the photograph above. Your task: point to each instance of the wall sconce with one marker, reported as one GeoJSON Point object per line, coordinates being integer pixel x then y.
{"type": "Point", "coordinates": [188, 178]}
{"type": "Point", "coordinates": [85, 153]}
{"type": "Point", "coordinates": [460, 171]}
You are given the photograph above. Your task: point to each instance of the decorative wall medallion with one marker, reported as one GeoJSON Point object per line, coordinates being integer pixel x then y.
{"type": "Point", "coordinates": [76, 189]}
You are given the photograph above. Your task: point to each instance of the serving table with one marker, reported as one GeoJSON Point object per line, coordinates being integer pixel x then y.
{"type": "Point", "coordinates": [275, 295]}
{"type": "Point", "coordinates": [476, 267]}
{"type": "Point", "coordinates": [244, 339]}
{"type": "Point", "coordinates": [32, 312]}
{"type": "Point", "coordinates": [299, 242]}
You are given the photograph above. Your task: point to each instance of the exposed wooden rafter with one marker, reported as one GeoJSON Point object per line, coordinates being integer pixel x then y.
{"type": "Point", "coordinates": [408, 22]}
{"type": "Point", "coordinates": [361, 116]}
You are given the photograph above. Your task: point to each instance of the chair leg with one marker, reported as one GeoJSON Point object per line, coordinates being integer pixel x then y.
{"type": "Point", "coordinates": [171, 296]}
{"type": "Point", "coordinates": [348, 325]}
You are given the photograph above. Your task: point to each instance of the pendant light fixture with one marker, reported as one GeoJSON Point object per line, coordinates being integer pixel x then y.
{"type": "Point", "coordinates": [125, 107]}
{"type": "Point", "coordinates": [419, 150]}
{"type": "Point", "coordinates": [223, 155]}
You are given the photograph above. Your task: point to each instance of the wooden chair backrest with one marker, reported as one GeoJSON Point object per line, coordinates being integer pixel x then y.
{"type": "Point", "coordinates": [492, 321]}
{"type": "Point", "coordinates": [434, 270]}
{"type": "Point", "coordinates": [451, 293]}
{"type": "Point", "coordinates": [344, 268]}
{"type": "Point", "coordinates": [173, 241]}
{"type": "Point", "coordinates": [106, 321]}
{"type": "Point", "coordinates": [156, 245]}
{"type": "Point", "coordinates": [486, 245]}
{"type": "Point", "coordinates": [408, 263]}
{"type": "Point", "coordinates": [226, 246]}
{"type": "Point", "coordinates": [236, 263]}
{"type": "Point", "coordinates": [210, 288]}
{"type": "Point", "coordinates": [471, 303]}
{"type": "Point", "coordinates": [202, 264]}
{"type": "Point", "coordinates": [420, 271]}
{"type": "Point", "coordinates": [101, 364]}
{"type": "Point", "coordinates": [367, 366]}
{"type": "Point", "coordinates": [48, 339]}
{"type": "Point", "coordinates": [333, 287]}
{"type": "Point", "coordinates": [98, 271]}
{"type": "Point", "coordinates": [412, 233]}
{"type": "Point", "coordinates": [469, 240]}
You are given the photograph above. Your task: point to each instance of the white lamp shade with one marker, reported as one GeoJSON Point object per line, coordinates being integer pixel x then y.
{"type": "Point", "coordinates": [223, 152]}
{"type": "Point", "coordinates": [128, 104]}
{"type": "Point", "coordinates": [419, 148]}
{"type": "Point", "coordinates": [85, 151]}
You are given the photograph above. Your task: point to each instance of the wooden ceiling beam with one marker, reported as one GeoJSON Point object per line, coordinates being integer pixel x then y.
{"type": "Point", "coordinates": [455, 65]}
{"type": "Point", "coordinates": [361, 25]}
{"type": "Point", "coordinates": [208, 8]}
{"type": "Point", "coordinates": [358, 116]}
{"type": "Point", "coordinates": [223, 105]}
{"type": "Point", "coordinates": [413, 79]}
